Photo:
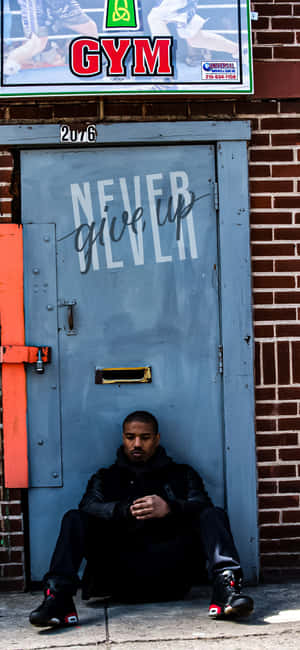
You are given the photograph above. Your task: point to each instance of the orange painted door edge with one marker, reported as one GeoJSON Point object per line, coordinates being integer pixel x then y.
{"type": "Point", "coordinates": [13, 374]}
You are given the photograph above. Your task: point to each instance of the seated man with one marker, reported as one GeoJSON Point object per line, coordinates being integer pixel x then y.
{"type": "Point", "coordinates": [146, 525]}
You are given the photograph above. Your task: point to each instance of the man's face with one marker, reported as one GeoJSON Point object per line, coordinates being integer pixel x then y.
{"type": "Point", "coordinates": [139, 441]}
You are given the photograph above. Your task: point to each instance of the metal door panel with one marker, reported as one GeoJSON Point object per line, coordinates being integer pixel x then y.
{"type": "Point", "coordinates": [149, 299]}
{"type": "Point", "coordinates": [41, 329]}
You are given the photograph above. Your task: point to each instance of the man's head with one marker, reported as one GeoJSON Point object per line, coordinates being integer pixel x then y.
{"type": "Point", "coordinates": [140, 436]}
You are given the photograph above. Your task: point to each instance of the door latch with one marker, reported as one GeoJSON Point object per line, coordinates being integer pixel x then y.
{"type": "Point", "coordinates": [70, 304]}
{"type": "Point", "coordinates": [26, 354]}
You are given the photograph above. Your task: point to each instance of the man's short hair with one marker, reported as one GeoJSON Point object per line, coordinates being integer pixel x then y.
{"type": "Point", "coordinates": [142, 416]}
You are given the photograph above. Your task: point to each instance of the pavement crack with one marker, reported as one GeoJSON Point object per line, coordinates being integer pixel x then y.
{"type": "Point", "coordinates": [106, 624]}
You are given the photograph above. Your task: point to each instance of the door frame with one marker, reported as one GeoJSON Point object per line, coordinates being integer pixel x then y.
{"type": "Point", "coordinates": [230, 140]}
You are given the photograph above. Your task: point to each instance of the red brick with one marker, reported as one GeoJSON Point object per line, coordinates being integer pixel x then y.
{"type": "Point", "coordinates": [287, 233]}
{"type": "Point", "coordinates": [268, 517]}
{"type": "Point", "coordinates": [261, 23]}
{"type": "Point", "coordinates": [15, 525]}
{"type": "Point", "coordinates": [291, 516]}
{"type": "Point", "coordinates": [266, 455]}
{"type": "Point", "coordinates": [13, 494]}
{"type": "Point", "coordinates": [269, 9]}
{"type": "Point", "coordinates": [296, 361]}
{"type": "Point", "coordinates": [286, 23]}
{"type": "Point", "coordinates": [290, 454]}
{"type": "Point", "coordinates": [287, 545]}
{"type": "Point", "coordinates": [277, 532]}
{"type": "Point", "coordinates": [286, 170]}
{"type": "Point", "coordinates": [287, 297]}
{"type": "Point", "coordinates": [289, 486]}
{"type": "Point", "coordinates": [287, 408]}
{"type": "Point", "coordinates": [257, 363]}
{"type": "Point", "coordinates": [5, 191]}
{"type": "Point", "coordinates": [268, 352]}
{"type": "Point", "coordinates": [211, 109]}
{"type": "Point", "coordinates": [276, 471]}
{"type": "Point", "coordinates": [5, 175]}
{"type": "Point", "coordinates": [76, 110]}
{"type": "Point", "coordinates": [287, 106]}
{"type": "Point", "coordinates": [261, 234]}
{"type": "Point", "coordinates": [260, 202]}
{"type": "Point", "coordinates": [14, 508]}
{"type": "Point", "coordinates": [259, 187]}
{"type": "Point", "coordinates": [17, 540]}
{"type": "Point", "coordinates": [12, 571]}
{"type": "Point", "coordinates": [272, 37]}
{"type": "Point", "coordinates": [277, 439]}
{"type": "Point", "coordinates": [265, 393]}
{"type": "Point", "coordinates": [270, 408]}
{"type": "Point", "coordinates": [273, 281]}
{"type": "Point", "coordinates": [5, 207]}
{"type": "Point", "coordinates": [272, 218]}
{"type": "Point", "coordinates": [263, 331]}
{"type": "Point", "coordinates": [265, 314]}
{"type": "Point", "coordinates": [277, 123]}
{"type": "Point", "coordinates": [272, 250]}
{"type": "Point", "coordinates": [288, 330]}
{"type": "Point", "coordinates": [262, 52]}
{"type": "Point", "coordinates": [289, 393]}
{"type": "Point", "coordinates": [279, 139]}
{"type": "Point", "coordinates": [267, 487]}
{"type": "Point", "coordinates": [262, 298]}
{"type": "Point", "coordinates": [289, 52]}
{"type": "Point", "coordinates": [263, 266]}
{"type": "Point", "coordinates": [271, 155]}
{"type": "Point", "coordinates": [259, 171]}
{"type": "Point", "coordinates": [286, 202]}
{"type": "Point", "coordinates": [6, 160]}
{"type": "Point", "coordinates": [265, 425]}
{"type": "Point", "coordinates": [9, 556]}
{"type": "Point", "coordinates": [251, 107]}
{"type": "Point", "coordinates": [291, 501]}
{"type": "Point", "coordinates": [289, 424]}
{"type": "Point", "coordinates": [260, 139]}
{"type": "Point", "coordinates": [287, 266]}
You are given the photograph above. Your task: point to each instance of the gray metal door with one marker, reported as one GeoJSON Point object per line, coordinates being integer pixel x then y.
{"type": "Point", "coordinates": [121, 272]}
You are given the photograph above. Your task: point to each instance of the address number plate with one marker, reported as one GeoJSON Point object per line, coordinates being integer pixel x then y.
{"type": "Point", "coordinates": [70, 135]}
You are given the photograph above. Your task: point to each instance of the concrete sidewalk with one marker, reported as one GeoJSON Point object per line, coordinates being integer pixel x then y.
{"type": "Point", "coordinates": [180, 625]}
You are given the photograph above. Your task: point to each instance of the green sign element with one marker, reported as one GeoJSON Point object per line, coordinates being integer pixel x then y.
{"type": "Point", "coordinates": [121, 14]}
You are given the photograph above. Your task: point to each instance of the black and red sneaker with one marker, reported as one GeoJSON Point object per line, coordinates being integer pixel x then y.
{"type": "Point", "coordinates": [227, 599]}
{"type": "Point", "coordinates": [57, 609]}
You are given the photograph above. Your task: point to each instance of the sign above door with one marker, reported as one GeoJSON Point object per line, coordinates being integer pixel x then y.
{"type": "Point", "coordinates": [129, 47]}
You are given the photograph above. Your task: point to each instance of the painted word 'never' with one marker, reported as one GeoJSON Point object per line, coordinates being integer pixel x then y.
{"type": "Point", "coordinates": [150, 56]}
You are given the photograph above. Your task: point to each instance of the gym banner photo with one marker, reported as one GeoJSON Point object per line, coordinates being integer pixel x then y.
{"type": "Point", "coordinates": [60, 47]}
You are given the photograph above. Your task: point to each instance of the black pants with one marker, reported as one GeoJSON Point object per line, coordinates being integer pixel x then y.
{"type": "Point", "coordinates": [161, 560]}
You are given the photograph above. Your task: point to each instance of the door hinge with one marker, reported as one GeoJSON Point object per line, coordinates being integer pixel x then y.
{"type": "Point", "coordinates": [220, 355]}
{"type": "Point", "coordinates": [216, 196]}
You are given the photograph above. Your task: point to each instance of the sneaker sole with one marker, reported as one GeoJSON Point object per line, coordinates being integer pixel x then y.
{"type": "Point", "coordinates": [229, 611]}
{"type": "Point", "coordinates": [56, 622]}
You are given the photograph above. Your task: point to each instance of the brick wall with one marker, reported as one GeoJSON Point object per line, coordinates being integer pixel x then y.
{"type": "Point", "coordinates": [274, 170]}
{"type": "Point", "coordinates": [11, 519]}
{"type": "Point", "coordinates": [276, 52]}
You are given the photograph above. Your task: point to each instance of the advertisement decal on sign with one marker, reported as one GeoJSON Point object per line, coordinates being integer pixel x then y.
{"type": "Point", "coordinates": [125, 47]}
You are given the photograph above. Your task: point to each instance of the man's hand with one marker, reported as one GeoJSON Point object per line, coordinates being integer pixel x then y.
{"type": "Point", "coordinates": [150, 507]}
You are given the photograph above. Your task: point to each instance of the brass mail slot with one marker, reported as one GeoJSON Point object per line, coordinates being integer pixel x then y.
{"type": "Point", "coordinates": [140, 375]}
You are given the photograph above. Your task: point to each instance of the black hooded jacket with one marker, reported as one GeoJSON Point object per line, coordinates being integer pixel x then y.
{"type": "Point", "coordinates": [111, 491]}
